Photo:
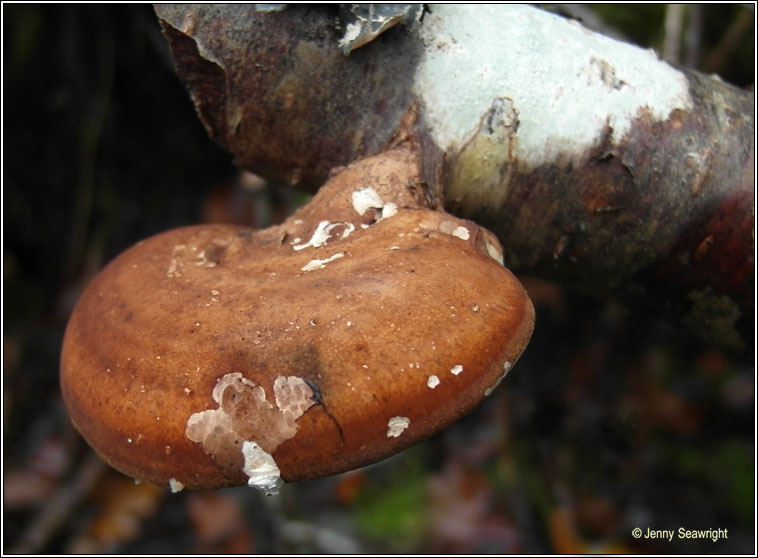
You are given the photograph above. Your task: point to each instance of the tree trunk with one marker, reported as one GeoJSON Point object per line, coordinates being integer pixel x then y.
{"type": "Point", "coordinates": [598, 165]}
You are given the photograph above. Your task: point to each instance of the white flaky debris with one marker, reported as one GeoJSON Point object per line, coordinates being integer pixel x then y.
{"type": "Point", "coordinates": [230, 379]}
{"type": "Point", "coordinates": [388, 210]}
{"type": "Point", "coordinates": [433, 381]}
{"type": "Point", "coordinates": [320, 264]}
{"type": "Point", "coordinates": [494, 252]}
{"type": "Point", "coordinates": [241, 400]}
{"type": "Point", "coordinates": [457, 369]}
{"type": "Point", "coordinates": [176, 254]}
{"type": "Point", "coordinates": [365, 199]}
{"type": "Point", "coordinates": [323, 233]}
{"type": "Point", "coordinates": [175, 485]}
{"type": "Point", "coordinates": [568, 85]}
{"type": "Point", "coordinates": [352, 32]}
{"type": "Point", "coordinates": [205, 424]}
{"type": "Point", "coordinates": [446, 226]}
{"type": "Point", "coordinates": [396, 426]}
{"type": "Point", "coordinates": [461, 232]}
{"type": "Point", "coordinates": [203, 261]}
{"type": "Point", "coordinates": [454, 229]}
{"type": "Point", "coordinates": [506, 367]}
{"type": "Point", "coordinates": [368, 198]}
{"type": "Point", "coordinates": [261, 469]}
{"type": "Point", "coordinates": [293, 397]}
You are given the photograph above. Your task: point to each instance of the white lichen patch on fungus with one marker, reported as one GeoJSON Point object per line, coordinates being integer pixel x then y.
{"type": "Point", "coordinates": [244, 414]}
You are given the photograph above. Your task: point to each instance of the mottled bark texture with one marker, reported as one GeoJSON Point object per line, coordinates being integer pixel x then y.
{"type": "Point", "coordinates": [597, 165]}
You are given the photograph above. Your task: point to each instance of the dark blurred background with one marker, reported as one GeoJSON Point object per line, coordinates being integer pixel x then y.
{"type": "Point", "coordinates": [611, 420]}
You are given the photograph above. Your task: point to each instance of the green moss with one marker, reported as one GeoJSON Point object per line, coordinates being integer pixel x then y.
{"type": "Point", "coordinates": [733, 467]}
{"type": "Point", "coordinates": [393, 510]}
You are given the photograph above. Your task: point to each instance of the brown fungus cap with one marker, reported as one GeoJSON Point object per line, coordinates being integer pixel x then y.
{"type": "Point", "coordinates": [216, 355]}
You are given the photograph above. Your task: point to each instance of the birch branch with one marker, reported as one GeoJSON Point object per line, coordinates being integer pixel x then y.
{"type": "Point", "coordinates": [598, 165]}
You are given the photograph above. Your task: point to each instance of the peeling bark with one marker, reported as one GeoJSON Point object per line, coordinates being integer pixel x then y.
{"type": "Point", "coordinates": [596, 164]}
{"type": "Point", "coordinates": [276, 91]}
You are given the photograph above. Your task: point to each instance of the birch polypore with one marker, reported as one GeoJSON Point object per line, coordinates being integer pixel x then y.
{"type": "Point", "coordinates": [215, 355]}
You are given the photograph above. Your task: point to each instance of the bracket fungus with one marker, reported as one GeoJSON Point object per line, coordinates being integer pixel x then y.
{"type": "Point", "coordinates": [215, 355]}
